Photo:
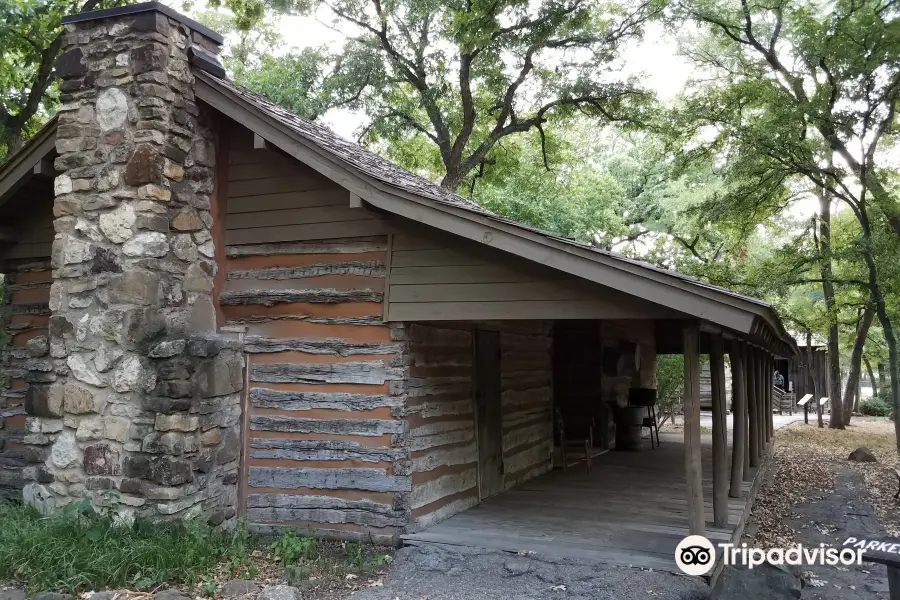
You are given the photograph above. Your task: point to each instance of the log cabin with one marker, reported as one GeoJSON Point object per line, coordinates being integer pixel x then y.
{"type": "Point", "coordinates": [216, 308]}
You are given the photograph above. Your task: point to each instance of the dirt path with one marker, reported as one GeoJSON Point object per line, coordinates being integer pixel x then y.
{"type": "Point", "coordinates": [829, 520]}
{"type": "Point", "coordinates": [816, 496]}
{"type": "Point", "coordinates": [435, 572]}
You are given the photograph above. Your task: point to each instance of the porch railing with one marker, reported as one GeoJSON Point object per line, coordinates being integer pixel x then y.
{"type": "Point", "coordinates": [783, 401]}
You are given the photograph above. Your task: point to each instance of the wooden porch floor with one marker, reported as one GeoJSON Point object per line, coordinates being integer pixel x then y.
{"type": "Point", "coordinates": [630, 511]}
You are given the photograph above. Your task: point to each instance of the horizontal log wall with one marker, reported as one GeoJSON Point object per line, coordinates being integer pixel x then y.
{"type": "Point", "coordinates": [442, 412]}
{"type": "Point", "coordinates": [25, 315]}
{"type": "Point", "coordinates": [444, 454]}
{"type": "Point", "coordinates": [327, 442]}
{"type": "Point", "coordinates": [527, 380]}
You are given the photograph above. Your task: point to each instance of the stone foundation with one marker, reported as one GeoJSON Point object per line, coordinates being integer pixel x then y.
{"type": "Point", "coordinates": [136, 400]}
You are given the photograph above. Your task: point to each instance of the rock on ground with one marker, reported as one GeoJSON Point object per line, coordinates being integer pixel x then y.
{"type": "Point", "coordinates": [12, 594]}
{"type": "Point", "coordinates": [862, 454]}
{"type": "Point", "coordinates": [51, 596]}
{"type": "Point", "coordinates": [238, 587]}
{"type": "Point", "coordinates": [279, 592]}
{"type": "Point", "coordinates": [765, 581]}
{"type": "Point", "coordinates": [171, 595]}
{"type": "Point", "coordinates": [459, 573]}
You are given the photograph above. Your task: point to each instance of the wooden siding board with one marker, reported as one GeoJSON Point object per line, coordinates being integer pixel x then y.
{"type": "Point", "coordinates": [487, 292]}
{"type": "Point", "coordinates": [360, 268]}
{"type": "Point", "coordinates": [365, 371]}
{"type": "Point", "coordinates": [318, 231]}
{"type": "Point", "coordinates": [317, 247]}
{"type": "Point", "coordinates": [318, 450]}
{"type": "Point", "coordinates": [446, 278]}
{"type": "Point", "coordinates": [295, 216]}
{"type": "Point", "coordinates": [302, 401]}
{"type": "Point", "coordinates": [277, 185]}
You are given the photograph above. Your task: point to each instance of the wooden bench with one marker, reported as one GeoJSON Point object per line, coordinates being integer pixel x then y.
{"type": "Point", "coordinates": [880, 550]}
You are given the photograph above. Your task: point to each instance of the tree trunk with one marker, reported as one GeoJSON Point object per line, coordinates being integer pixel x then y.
{"type": "Point", "coordinates": [809, 377]}
{"type": "Point", "coordinates": [453, 177]}
{"type": "Point", "coordinates": [893, 358]}
{"type": "Point", "coordinates": [834, 357]}
{"type": "Point", "coordinates": [12, 134]}
{"type": "Point", "coordinates": [882, 376]}
{"type": "Point", "coordinates": [871, 375]}
{"type": "Point", "coordinates": [859, 344]}
{"type": "Point", "coordinates": [884, 319]}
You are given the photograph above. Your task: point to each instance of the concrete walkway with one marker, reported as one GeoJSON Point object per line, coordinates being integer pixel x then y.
{"type": "Point", "coordinates": [676, 433]}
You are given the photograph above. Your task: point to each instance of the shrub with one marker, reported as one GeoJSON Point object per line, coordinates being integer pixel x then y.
{"type": "Point", "coordinates": [79, 549]}
{"type": "Point", "coordinates": [670, 384]}
{"type": "Point", "coordinates": [876, 406]}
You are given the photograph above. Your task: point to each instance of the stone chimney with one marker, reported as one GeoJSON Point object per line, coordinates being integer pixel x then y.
{"type": "Point", "coordinates": [135, 397]}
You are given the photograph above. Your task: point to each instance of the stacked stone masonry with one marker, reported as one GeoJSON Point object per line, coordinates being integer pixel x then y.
{"type": "Point", "coordinates": [135, 399]}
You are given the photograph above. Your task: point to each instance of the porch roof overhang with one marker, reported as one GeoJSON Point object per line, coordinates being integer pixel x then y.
{"type": "Point", "coordinates": [388, 188]}
{"type": "Point", "coordinates": [28, 161]}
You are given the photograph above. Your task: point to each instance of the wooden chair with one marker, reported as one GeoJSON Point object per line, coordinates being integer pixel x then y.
{"type": "Point", "coordinates": [568, 439]}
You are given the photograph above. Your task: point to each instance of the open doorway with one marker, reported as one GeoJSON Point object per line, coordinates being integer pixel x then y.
{"type": "Point", "coordinates": [488, 413]}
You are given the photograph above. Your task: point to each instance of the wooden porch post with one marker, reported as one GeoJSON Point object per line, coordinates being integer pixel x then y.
{"type": "Point", "coordinates": [770, 398]}
{"type": "Point", "coordinates": [761, 371]}
{"type": "Point", "coordinates": [745, 424]}
{"type": "Point", "coordinates": [693, 468]}
{"type": "Point", "coordinates": [753, 404]}
{"type": "Point", "coordinates": [739, 418]}
{"type": "Point", "coordinates": [719, 430]}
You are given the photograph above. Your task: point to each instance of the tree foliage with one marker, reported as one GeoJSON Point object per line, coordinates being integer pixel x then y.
{"type": "Point", "coordinates": [31, 41]}
{"type": "Point", "coordinates": [444, 82]}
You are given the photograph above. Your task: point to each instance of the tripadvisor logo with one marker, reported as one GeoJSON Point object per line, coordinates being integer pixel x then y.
{"type": "Point", "coordinates": [696, 555]}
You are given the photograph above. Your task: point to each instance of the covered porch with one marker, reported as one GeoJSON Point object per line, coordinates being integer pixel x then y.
{"type": "Point", "coordinates": [631, 510]}
{"type": "Point", "coordinates": [633, 507]}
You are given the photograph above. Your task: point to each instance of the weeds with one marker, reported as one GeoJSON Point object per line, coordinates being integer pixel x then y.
{"type": "Point", "coordinates": [290, 549]}
{"type": "Point", "coordinates": [79, 549]}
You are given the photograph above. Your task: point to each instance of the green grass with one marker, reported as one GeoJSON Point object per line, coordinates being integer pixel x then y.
{"type": "Point", "coordinates": [78, 549]}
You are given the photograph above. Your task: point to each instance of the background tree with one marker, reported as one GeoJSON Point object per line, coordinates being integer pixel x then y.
{"type": "Point", "coordinates": [792, 83]}
{"type": "Point", "coordinates": [31, 41]}
{"type": "Point", "coordinates": [445, 82]}
{"type": "Point", "coordinates": [31, 31]}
